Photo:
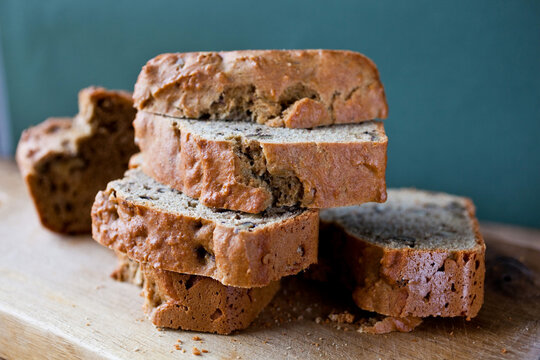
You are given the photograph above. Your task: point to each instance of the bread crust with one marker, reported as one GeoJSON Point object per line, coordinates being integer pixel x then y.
{"type": "Point", "coordinates": [181, 243]}
{"type": "Point", "coordinates": [215, 172]}
{"type": "Point", "coordinates": [199, 303]}
{"type": "Point", "coordinates": [408, 282]}
{"type": "Point", "coordinates": [61, 159]}
{"type": "Point", "coordinates": [192, 302]}
{"type": "Point", "coordinates": [290, 88]}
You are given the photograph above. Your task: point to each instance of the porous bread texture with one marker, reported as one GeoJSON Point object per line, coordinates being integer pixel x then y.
{"type": "Point", "coordinates": [248, 167]}
{"type": "Point", "coordinates": [65, 161]}
{"type": "Point", "coordinates": [280, 88]}
{"type": "Point", "coordinates": [166, 229]}
{"type": "Point", "coordinates": [127, 270]}
{"type": "Point", "coordinates": [419, 254]}
{"type": "Point", "coordinates": [192, 302]}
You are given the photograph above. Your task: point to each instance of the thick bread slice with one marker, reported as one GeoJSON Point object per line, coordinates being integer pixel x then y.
{"type": "Point", "coordinates": [192, 302]}
{"type": "Point", "coordinates": [248, 167]}
{"type": "Point", "coordinates": [291, 88]}
{"type": "Point", "coordinates": [419, 254]}
{"type": "Point", "coordinates": [66, 162]}
{"type": "Point", "coordinates": [168, 230]}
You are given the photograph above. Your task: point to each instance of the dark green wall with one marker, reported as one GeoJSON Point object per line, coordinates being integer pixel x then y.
{"type": "Point", "coordinates": [462, 77]}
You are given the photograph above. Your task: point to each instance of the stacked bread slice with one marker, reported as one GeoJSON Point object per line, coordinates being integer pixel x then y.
{"type": "Point", "coordinates": [239, 151]}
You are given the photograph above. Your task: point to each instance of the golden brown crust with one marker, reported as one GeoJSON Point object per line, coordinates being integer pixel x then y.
{"type": "Point", "coordinates": [408, 282]}
{"type": "Point", "coordinates": [62, 160]}
{"type": "Point", "coordinates": [328, 174]}
{"type": "Point", "coordinates": [292, 88]}
{"type": "Point", "coordinates": [192, 302]}
{"type": "Point", "coordinates": [185, 244]}
{"type": "Point", "coordinates": [199, 303]}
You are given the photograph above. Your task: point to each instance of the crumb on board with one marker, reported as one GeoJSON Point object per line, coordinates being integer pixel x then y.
{"type": "Point", "coordinates": [504, 351]}
{"type": "Point", "coordinates": [342, 318]}
{"type": "Point", "coordinates": [204, 351]}
{"type": "Point", "coordinates": [196, 351]}
{"type": "Point", "coordinates": [196, 338]}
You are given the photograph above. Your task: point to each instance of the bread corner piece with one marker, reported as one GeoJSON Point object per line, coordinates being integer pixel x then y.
{"type": "Point", "coordinates": [192, 302]}
{"type": "Point", "coordinates": [65, 161]}
{"type": "Point", "coordinates": [248, 167]}
{"type": "Point", "coordinates": [166, 229]}
{"type": "Point", "coordinates": [419, 254]}
{"type": "Point", "coordinates": [283, 88]}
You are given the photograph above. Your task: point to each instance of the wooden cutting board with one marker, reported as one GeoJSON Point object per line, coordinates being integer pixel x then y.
{"type": "Point", "coordinates": [57, 301]}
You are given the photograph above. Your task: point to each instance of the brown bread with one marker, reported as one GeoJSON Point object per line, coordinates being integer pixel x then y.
{"type": "Point", "coordinates": [290, 88]}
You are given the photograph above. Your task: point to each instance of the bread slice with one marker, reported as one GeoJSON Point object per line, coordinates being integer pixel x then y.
{"type": "Point", "coordinates": [419, 254]}
{"type": "Point", "coordinates": [168, 230]}
{"type": "Point", "coordinates": [248, 167]}
{"type": "Point", "coordinates": [291, 88]}
{"type": "Point", "coordinates": [65, 162]}
{"type": "Point", "coordinates": [191, 302]}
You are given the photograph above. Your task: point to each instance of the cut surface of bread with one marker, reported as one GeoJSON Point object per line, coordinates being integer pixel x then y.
{"type": "Point", "coordinates": [166, 229]}
{"type": "Point", "coordinates": [192, 302]}
{"type": "Point", "coordinates": [65, 161]}
{"type": "Point", "coordinates": [280, 88]}
{"type": "Point", "coordinates": [419, 254]}
{"type": "Point", "coordinates": [249, 167]}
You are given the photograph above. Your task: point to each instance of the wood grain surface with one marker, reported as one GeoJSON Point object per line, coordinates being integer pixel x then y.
{"type": "Point", "coordinates": [58, 302]}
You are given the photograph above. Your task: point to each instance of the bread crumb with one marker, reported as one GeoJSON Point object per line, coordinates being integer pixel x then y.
{"type": "Point", "coordinates": [196, 351]}
{"type": "Point", "coordinates": [204, 351]}
{"type": "Point", "coordinates": [318, 319]}
{"type": "Point", "coordinates": [178, 347]}
{"type": "Point", "coordinates": [345, 317]}
{"type": "Point", "coordinates": [196, 338]}
{"type": "Point", "coordinates": [179, 341]}
{"type": "Point", "coordinates": [503, 351]}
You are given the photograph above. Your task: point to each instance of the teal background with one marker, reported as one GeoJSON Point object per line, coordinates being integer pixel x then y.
{"type": "Point", "coordinates": [462, 77]}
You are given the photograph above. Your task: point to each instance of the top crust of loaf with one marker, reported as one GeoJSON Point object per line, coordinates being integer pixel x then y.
{"type": "Point", "coordinates": [411, 219]}
{"type": "Point", "coordinates": [282, 88]}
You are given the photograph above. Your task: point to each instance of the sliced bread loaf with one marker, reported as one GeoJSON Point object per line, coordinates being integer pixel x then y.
{"type": "Point", "coordinates": [192, 302]}
{"type": "Point", "coordinates": [248, 167]}
{"type": "Point", "coordinates": [291, 88]}
{"type": "Point", "coordinates": [160, 226]}
{"type": "Point", "coordinates": [65, 162]}
{"type": "Point", "coordinates": [419, 254]}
